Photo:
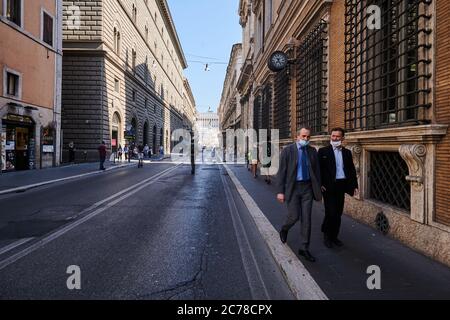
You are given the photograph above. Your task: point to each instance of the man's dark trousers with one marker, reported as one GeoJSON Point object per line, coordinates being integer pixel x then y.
{"type": "Point", "coordinates": [102, 162]}
{"type": "Point", "coordinates": [334, 206]}
{"type": "Point", "coordinates": [299, 208]}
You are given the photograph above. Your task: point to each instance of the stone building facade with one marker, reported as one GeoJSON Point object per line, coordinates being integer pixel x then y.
{"type": "Point", "coordinates": [386, 85]}
{"type": "Point", "coordinates": [30, 84]}
{"type": "Point", "coordinates": [207, 130]}
{"type": "Point", "coordinates": [229, 110]}
{"type": "Point", "coordinates": [122, 75]}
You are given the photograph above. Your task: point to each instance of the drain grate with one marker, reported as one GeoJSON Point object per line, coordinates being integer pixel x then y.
{"type": "Point", "coordinates": [382, 223]}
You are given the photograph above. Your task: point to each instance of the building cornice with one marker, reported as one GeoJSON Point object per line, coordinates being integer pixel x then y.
{"type": "Point", "coordinates": [164, 8]}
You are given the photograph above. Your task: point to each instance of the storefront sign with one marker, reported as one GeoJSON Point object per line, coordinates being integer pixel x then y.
{"type": "Point", "coordinates": [47, 149]}
{"type": "Point", "coordinates": [10, 145]}
{"type": "Point", "coordinates": [47, 140]}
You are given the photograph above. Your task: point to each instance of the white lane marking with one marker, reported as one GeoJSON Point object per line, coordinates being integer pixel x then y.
{"type": "Point", "coordinates": [297, 276]}
{"type": "Point", "coordinates": [244, 247]}
{"type": "Point", "coordinates": [119, 197]}
{"type": "Point", "coordinates": [14, 245]}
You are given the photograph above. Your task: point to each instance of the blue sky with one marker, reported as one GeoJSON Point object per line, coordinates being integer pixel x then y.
{"type": "Point", "coordinates": [206, 28]}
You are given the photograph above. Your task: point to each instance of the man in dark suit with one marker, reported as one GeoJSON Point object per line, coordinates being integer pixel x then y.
{"type": "Point", "coordinates": [338, 178]}
{"type": "Point", "coordinates": [298, 183]}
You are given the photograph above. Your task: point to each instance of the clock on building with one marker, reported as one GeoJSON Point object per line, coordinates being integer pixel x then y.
{"type": "Point", "coordinates": [278, 61]}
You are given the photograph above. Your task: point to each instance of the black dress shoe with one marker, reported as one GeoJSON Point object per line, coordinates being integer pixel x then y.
{"type": "Point", "coordinates": [328, 243]}
{"type": "Point", "coordinates": [283, 236]}
{"type": "Point", "coordinates": [308, 256]}
{"type": "Point", "coordinates": [338, 242]}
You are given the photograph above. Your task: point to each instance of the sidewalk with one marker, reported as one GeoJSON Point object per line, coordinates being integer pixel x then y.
{"type": "Point", "coordinates": [22, 180]}
{"type": "Point", "coordinates": [341, 272]}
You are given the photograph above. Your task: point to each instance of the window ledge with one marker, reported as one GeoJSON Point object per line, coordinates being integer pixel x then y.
{"type": "Point", "coordinates": [414, 134]}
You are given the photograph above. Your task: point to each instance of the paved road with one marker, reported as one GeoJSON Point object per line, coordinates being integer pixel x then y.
{"type": "Point", "coordinates": [173, 236]}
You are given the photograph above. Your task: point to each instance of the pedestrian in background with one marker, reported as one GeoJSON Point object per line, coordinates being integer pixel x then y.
{"type": "Point", "coordinates": [298, 184]}
{"type": "Point", "coordinates": [266, 163]}
{"type": "Point", "coordinates": [119, 153]}
{"type": "Point", "coordinates": [125, 151]}
{"type": "Point", "coordinates": [71, 152]}
{"type": "Point", "coordinates": [338, 178]}
{"type": "Point", "coordinates": [254, 161]}
{"type": "Point", "coordinates": [146, 150]}
{"type": "Point", "coordinates": [130, 152]}
{"type": "Point", "coordinates": [140, 152]}
{"type": "Point", "coordinates": [102, 155]}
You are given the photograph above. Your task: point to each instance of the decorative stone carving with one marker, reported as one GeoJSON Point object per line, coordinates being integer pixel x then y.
{"type": "Point", "coordinates": [356, 153]}
{"type": "Point", "coordinates": [414, 156]}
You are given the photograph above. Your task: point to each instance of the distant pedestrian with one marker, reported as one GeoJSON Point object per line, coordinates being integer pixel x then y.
{"type": "Point", "coordinates": [254, 162]}
{"type": "Point", "coordinates": [161, 150]}
{"type": "Point", "coordinates": [125, 151]}
{"type": "Point", "coordinates": [338, 178]}
{"type": "Point", "coordinates": [266, 162]}
{"type": "Point", "coordinates": [130, 152]}
{"type": "Point", "coordinates": [102, 155]}
{"type": "Point", "coordinates": [119, 153]}
{"type": "Point", "coordinates": [146, 150]}
{"type": "Point", "coordinates": [298, 184]}
{"type": "Point", "coordinates": [71, 152]}
{"type": "Point", "coordinates": [140, 151]}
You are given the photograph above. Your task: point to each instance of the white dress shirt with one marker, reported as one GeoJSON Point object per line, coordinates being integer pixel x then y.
{"type": "Point", "coordinates": [339, 163]}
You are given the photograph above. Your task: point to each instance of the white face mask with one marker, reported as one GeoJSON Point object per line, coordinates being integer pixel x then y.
{"type": "Point", "coordinates": [336, 143]}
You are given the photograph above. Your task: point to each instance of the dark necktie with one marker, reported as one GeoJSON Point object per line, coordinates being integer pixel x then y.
{"type": "Point", "coordinates": [304, 160]}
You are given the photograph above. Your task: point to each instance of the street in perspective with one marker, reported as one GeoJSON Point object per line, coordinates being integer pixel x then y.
{"type": "Point", "coordinates": [245, 151]}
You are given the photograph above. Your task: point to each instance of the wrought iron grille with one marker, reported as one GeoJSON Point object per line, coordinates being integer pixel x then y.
{"type": "Point", "coordinates": [257, 113]}
{"type": "Point", "coordinates": [386, 69]}
{"type": "Point", "coordinates": [266, 113]}
{"type": "Point", "coordinates": [312, 80]}
{"type": "Point", "coordinates": [282, 105]}
{"type": "Point", "coordinates": [387, 179]}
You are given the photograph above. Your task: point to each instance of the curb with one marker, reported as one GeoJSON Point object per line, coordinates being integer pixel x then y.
{"type": "Point", "coordinates": [40, 184]}
{"type": "Point", "coordinates": [299, 280]}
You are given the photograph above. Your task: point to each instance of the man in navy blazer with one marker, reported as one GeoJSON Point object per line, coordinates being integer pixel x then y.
{"type": "Point", "coordinates": [338, 176]}
{"type": "Point", "coordinates": [298, 184]}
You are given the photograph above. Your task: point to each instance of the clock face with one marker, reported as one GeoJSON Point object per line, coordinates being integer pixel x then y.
{"type": "Point", "coordinates": [278, 61]}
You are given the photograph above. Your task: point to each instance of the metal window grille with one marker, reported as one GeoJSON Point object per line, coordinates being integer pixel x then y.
{"type": "Point", "coordinates": [312, 80]}
{"type": "Point", "coordinates": [387, 179]}
{"type": "Point", "coordinates": [386, 69]}
{"type": "Point", "coordinates": [257, 113]}
{"type": "Point", "coordinates": [282, 110]}
{"type": "Point", "coordinates": [266, 108]}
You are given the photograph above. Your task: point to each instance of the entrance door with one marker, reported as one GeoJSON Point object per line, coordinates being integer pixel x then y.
{"type": "Point", "coordinates": [22, 140]}
{"type": "Point", "coordinates": [114, 139]}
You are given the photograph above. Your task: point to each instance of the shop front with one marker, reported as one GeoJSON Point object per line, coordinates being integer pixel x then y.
{"type": "Point", "coordinates": [18, 143]}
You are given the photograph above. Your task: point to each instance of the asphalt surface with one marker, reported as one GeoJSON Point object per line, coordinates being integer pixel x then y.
{"type": "Point", "coordinates": [175, 237]}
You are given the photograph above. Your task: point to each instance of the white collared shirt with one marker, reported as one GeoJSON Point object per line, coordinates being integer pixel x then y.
{"type": "Point", "coordinates": [340, 174]}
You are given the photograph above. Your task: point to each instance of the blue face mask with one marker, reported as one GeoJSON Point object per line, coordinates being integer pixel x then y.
{"type": "Point", "coordinates": [304, 143]}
